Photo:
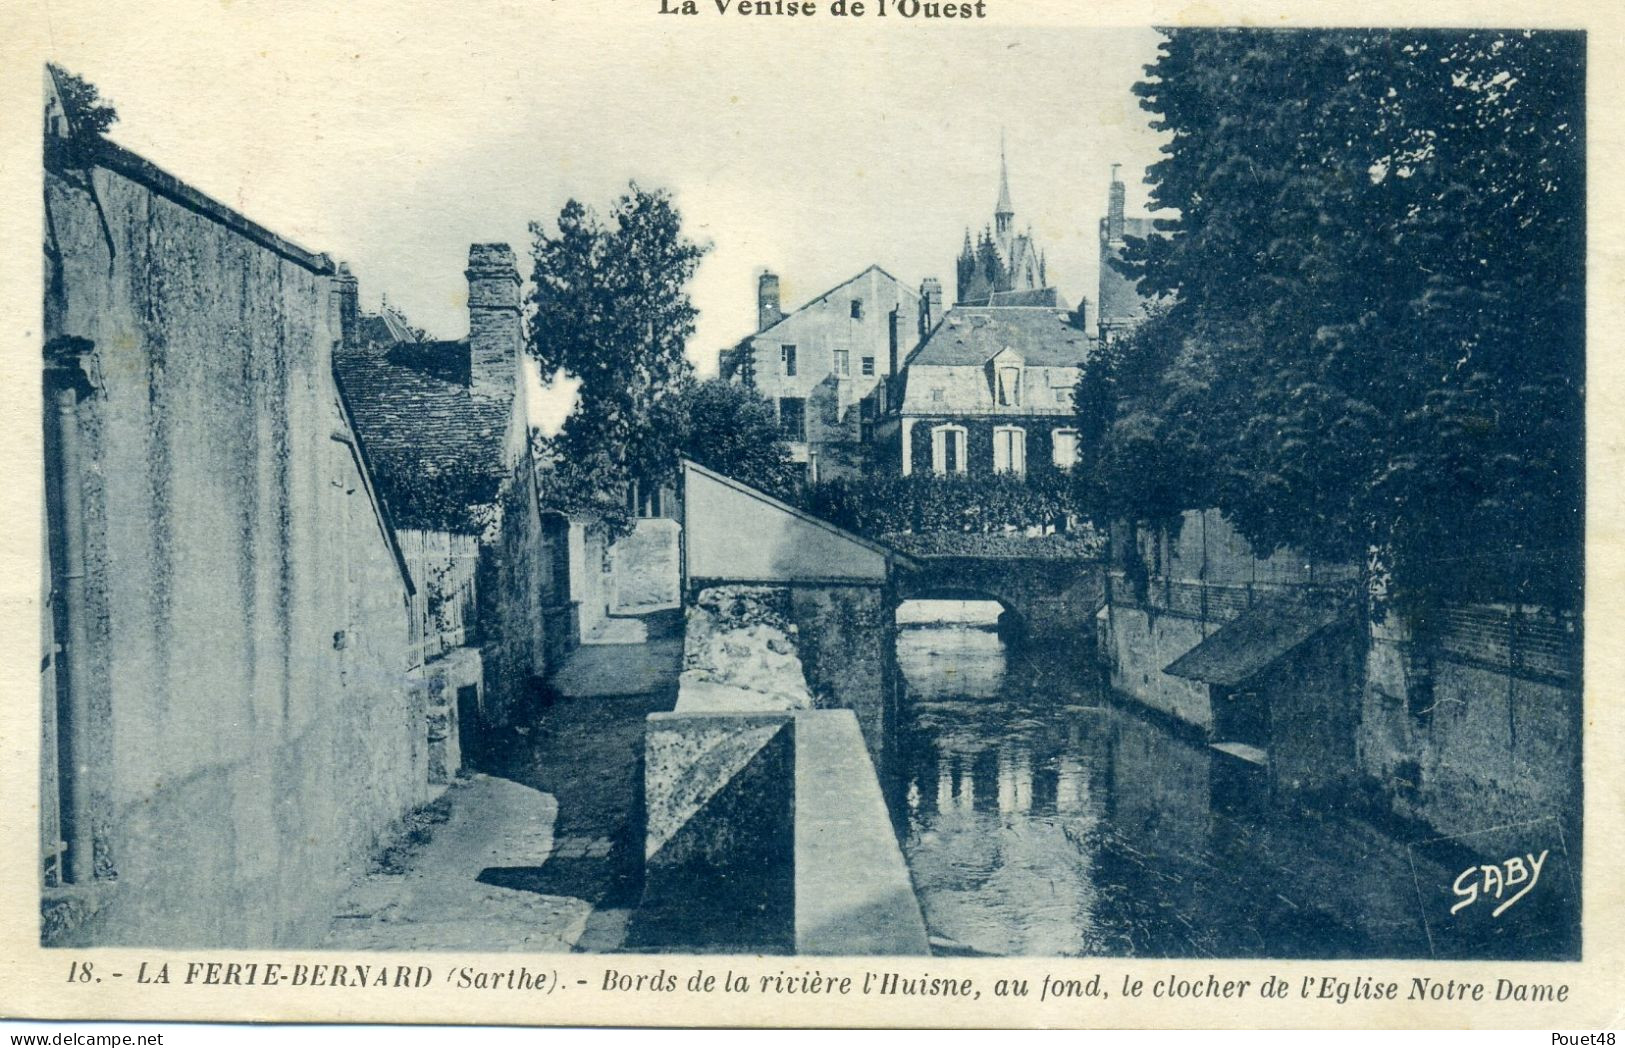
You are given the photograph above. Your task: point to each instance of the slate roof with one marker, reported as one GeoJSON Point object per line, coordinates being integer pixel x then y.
{"type": "Point", "coordinates": [971, 335]}
{"type": "Point", "coordinates": [434, 448]}
{"type": "Point", "coordinates": [1042, 297]}
{"type": "Point", "coordinates": [1262, 636]}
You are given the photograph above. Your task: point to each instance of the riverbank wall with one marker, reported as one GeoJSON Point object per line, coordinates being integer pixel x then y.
{"type": "Point", "coordinates": [759, 807]}
{"type": "Point", "coordinates": [1474, 722]}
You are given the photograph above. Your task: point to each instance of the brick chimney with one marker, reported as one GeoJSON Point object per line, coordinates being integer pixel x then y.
{"type": "Point", "coordinates": [930, 305]}
{"type": "Point", "coordinates": [1114, 207]}
{"type": "Point", "coordinates": [493, 321]}
{"type": "Point", "coordinates": [767, 301]}
{"type": "Point", "coordinates": [346, 291]}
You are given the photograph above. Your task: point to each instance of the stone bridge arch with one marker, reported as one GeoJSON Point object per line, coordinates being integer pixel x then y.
{"type": "Point", "coordinates": [1045, 598]}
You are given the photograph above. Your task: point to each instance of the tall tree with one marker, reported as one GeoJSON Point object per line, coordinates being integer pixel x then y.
{"type": "Point", "coordinates": [1377, 281]}
{"type": "Point", "coordinates": [610, 306]}
{"type": "Point", "coordinates": [734, 430]}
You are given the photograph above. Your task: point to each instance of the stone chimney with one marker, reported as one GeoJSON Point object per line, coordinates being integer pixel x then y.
{"type": "Point", "coordinates": [930, 305]}
{"type": "Point", "coordinates": [767, 301]}
{"type": "Point", "coordinates": [346, 291]}
{"type": "Point", "coordinates": [1114, 207]}
{"type": "Point", "coordinates": [493, 322]}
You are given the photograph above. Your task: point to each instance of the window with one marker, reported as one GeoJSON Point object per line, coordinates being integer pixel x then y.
{"type": "Point", "coordinates": [843, 363]}
{"type": "Point", "coordinates": [868, 366]}
{"type": "Point", "coordinates": [857, 309]}
{"type": "Point", "coordinates": [1065, 448]}
{"type": "Point", "coordinates": [793, 418]}
{"type": "Point", "coordinates": [1009, 450]}
{"type": "Point", "coordinates": [937, 394]}
{"type": "Point", "coordinates": [948, 450]}
{"type": "Point", "coordinates": [787, 357]}
{"type": "Point", "coordinates": [643, 499]}
{"type": "Point", "coordinates": [1009, 391]}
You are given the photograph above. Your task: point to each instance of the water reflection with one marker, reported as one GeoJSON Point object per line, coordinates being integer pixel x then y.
{"type": "Point", "coordinates": [1040, 818]}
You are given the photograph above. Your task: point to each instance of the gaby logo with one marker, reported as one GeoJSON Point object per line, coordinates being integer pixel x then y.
{"type": "Point", "coordinates": [1494, 881]}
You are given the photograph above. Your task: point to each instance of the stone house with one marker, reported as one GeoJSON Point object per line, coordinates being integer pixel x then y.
{"type": "Point", "coordinates": [989, 391]}
{"type": "Point", "coordinates": [232, 703]}
{"type": "Point", "coordinates": [826, 366]}
{"type": "Point", "coordinates": [446, 425]}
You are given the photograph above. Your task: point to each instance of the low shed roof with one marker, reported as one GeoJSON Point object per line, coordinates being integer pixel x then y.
{"type": "Point", "coordinates": [1262, 636]}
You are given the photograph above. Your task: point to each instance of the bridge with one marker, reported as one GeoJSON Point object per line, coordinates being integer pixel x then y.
{"type": "Point", "coordinates": [1044, 595]}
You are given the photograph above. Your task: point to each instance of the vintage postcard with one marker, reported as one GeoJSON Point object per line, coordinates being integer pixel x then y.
{"type": "Point", "coordinates": [812, 512]}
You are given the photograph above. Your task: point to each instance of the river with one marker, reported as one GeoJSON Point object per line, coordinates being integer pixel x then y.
{"type": "Point", "coordinates": [1041, 816]}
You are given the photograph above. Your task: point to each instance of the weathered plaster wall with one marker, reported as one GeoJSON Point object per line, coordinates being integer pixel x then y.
{"type": "Point", "coordinates": [1139, 642]}
{"type": "Point", "coordinates": [734, 533]}
{"type": "Point", "coordinates": [255, 721]}
{"type": "Point", "coordinates": [646, 575]}
{"type": "Point", "coordinates": [590, 583]}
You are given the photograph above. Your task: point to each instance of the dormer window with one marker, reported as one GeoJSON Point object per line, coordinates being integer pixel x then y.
{"type": "Point", "coordinates": [1008, 392]}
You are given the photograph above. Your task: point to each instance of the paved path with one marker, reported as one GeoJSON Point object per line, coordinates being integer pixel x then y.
{"type": "Point", "coordinates": [443, 897]}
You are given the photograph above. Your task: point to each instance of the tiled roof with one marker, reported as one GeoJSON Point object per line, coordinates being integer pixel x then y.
{"type": "Point", "coordinates": [429, 440]}
{"type": "Point", "coordinates": [971, 335]}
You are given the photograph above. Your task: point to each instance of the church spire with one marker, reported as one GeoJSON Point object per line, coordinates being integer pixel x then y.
{"type": "Point", "coordinates": [1004, 208]}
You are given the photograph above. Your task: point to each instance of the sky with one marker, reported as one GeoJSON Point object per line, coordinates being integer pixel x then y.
{"type": "Point", "coordinates": [392, 136]}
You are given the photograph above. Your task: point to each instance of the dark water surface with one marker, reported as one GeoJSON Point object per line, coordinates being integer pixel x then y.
{"type": "Point", "coordinates": [1040, 816]}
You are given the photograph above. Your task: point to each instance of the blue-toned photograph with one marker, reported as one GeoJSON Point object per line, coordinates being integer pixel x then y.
{"type": "Point", "coordinates": [1028, 492]}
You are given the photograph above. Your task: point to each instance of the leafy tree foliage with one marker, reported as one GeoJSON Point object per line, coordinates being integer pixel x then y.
{"type": "Point", "coordinates": [1376, 278]}
{"type": "Point", "coordinates": [610, 307]}
{"type": "Point", "coordinates": [732, 429]}
{"type": "Point", "coordinates": [90, 114]}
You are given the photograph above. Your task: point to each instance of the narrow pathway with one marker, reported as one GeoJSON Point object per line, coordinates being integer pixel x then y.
{"type": "Point", "coordinates": [544, 854]}
{"type": "Point", "coordinates": [586, 750]}
{"type": "Point", "coordinates": [441, 893]}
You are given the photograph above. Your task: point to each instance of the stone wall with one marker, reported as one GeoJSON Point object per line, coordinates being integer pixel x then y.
{"type": "Point", "coordinates": [252, 724]}
{"type": "Point", "coordinates": [740, 653]}
{"type": "Point", "coordinates": [847, 638]}
{"type": "Point", "coordinates": [1481, 727]}
{"type": "Point", "coordinates": [1136, 643]}
{"type": "Point", "coordinates": [514, 577]}
{"type": "Point", "coordinates": [720, 809]}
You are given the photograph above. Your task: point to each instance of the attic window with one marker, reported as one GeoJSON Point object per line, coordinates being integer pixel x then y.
{"type": "Point", "coordinates": [1009, 387]}
{"type": "Point", "coordinates": [857, 309]}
